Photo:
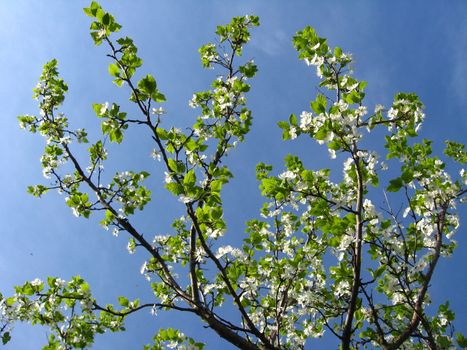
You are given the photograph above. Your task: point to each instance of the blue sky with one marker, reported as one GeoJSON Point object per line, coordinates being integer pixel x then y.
{"type": "Point", "coordinates": [418, 46]}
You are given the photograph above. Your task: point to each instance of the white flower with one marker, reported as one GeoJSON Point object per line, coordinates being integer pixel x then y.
{"type": "Point", "coordinates": [130, 248]}
{"type": "Point", "coordinates": [293, 132]}
{"type": "Point", "coordinates": [379, 108]}
{"type": "Point", "coordinates": [425, 226]}
{"type": "Point", "coordinates": [160, 239]}
{"type": "Point", "coordinates": [154, 310]}
{"type": "Point", "coordinates": [443, 321]}
{"type": "Point", "coordinates": [362, 154]}
{"type": "Point", "coordinates": [199, 254]}
{"type": "Point", "coordinates": [158, 111]}
{"type": "Point", "coordinates": [104, 108]}
{"type": "Point", "coordinates": [306, 119]}
{"type": "Point", "coordinates": [168, 177]}
{"type": "Point", "coordinates": [392, 113]}
{"type": "Point", "coordinates": [156, 155]}
{"type": "Point", "coordinates": [75, 211]}
{"type": "Point", "coordinates": [463, 175]}
{"type": "Point", "coordinates": [86, 304]}
{"type": "Point", "coordinates": [193, 103]}
{"type": "Point", "coordinates": [101, 33]}
{"type": "Point", "coordinates": [237, 253]}
{"type": "Point", "coordinates": [343, 106]}
{"type": "Point", "coordinates": [347, 167]}
{"type": "Point", "coordinates": [398, 298]}
{"type": "Point", "coordinates": [316, 46]}
{"type": "Point", "coordinates": [143, 268]}
{"type": "Point", "coordinates": [216, 233]}
{"type": "Point", "coordinates": [46, 172]}
{"type": "Point", "coordinates": [172, 344]}
{"type": "Point", "coordinates": [65, 140]}
{"type": "Point", "coordinates": [185, 199]}
{"type": "Point", "coordinates": [406, 212]}
{"type": "Point", "coordinates": [315, 61]}
{"type": "Point", "coordinates": [361, 111]}
{"type": "Point", "coordinates": [369, 207]}
{"type": "Point", "coordinates": [36, 282]}
{"type": "Point", "coordinates": [287, 175]}
{"type": "Point", "coordinates": [342, 288]}
{"type": "Point", "coordinates": [59, 282]}
{"type": "Point", "coordinates": [223, 251]}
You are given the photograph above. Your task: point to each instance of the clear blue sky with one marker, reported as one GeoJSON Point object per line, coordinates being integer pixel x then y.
{"type": "Point", "coordinates": [417, 46]}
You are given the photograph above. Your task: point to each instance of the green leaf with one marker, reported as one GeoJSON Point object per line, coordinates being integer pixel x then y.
{"type": "Point", "coordinates": [379, 271]}
{"type": "Point", "coordinates": [216, 186]}
{"type": "Point", "coordinates": [456, 151]}
{"type": "Point", "coordinates": [322, 133]}
{"type": "Point", "coordinates": [461, 340]}
{"type": "Point", "coordinates": [283, 125]}
{"type": "Point", "coordinates": [162, 133]}
{"type": "Point", "coordinates": [147, 84]}
{"type": "Point", "coordinates": [114, 70]}
{"type": "Point", "coordinates": [190, 178]}
{"type": "Point", "coordinates": [116, 135]}
{"type": "Point", "coordinates": [216, 213]}
{"type": "Point", "coordinates": [123, 301]}
{"type": "Point", "coordinates": [106, 19]}
{"type": "Point", "coordinates": [293, 120]}
{"type": "Point", "coordinates": [407, 175]}
{"type": "Point", "coordinates": [158, 97]}
{"type": "Point", "coordinates": [337, 52]}
{"type": "Point", "coordinates": [175, 188]}
{"type": "Point", "coordinates": [38, 190]}
{"type": "Point", "coordinates": [28, 289]}
{"type": "Point", "coordinates": [249, 70]}
{"type": "Point", "coordinates": [6, 338]}
{"type": "Point", "coordinates": [91, 11]}
{"type": "Point", "coordinates": [395, 185]}
{"type": "Point", "coordinates": [319, 106]}
{"type": "Point", "coordinates": [173, 165]}
{"type": "Point", "coordinates": [354, 97]}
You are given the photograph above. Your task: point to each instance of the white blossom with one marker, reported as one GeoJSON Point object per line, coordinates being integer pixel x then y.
{"type": "Point", "coordinates": [392, 113]}
{"type": "Point", "coordinates": [185, 199]}
{"type": "Point", "coordinates": [223, 251]}
{"type": "Point", "coordinates": [104, 108]}
{"type": "Point", "coordinates": [287, 175]}
{"type": "Point", "coordinates": [156, 155]}
{"type": "Point", "coordinates": [36, 282]}
{"type": "Point", "coordinates": [143, 268]}
{"type": "Point", "coordinates": [168, 177]}
{"type": "Point", "coordinates": [293, 132]}
{"type": "Point", "coordinates": [158, 111]}
{"type": "Point", "coordinates": [379, 108]}
{"type": "Point", "coordinates": [306, 119]}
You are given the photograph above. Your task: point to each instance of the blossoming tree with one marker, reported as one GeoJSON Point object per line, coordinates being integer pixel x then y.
{"type": "Point", "coordinates": [325, 257]}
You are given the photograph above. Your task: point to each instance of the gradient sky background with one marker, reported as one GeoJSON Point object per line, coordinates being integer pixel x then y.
{"type": "Point", "coordinates": [418, 46]}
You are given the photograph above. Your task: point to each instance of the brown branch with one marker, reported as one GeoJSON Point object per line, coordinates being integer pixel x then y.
{"type": "Point", "coordinates": [356, 256]}
{"type": "Point", "coordinates": [123, 222]}
{"type": "Point", "coordinates": [418, 307]}
{"type": "Point", "coordinates": [227, 282]}
{"type": "Point", "coordinates": [193, 277]}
